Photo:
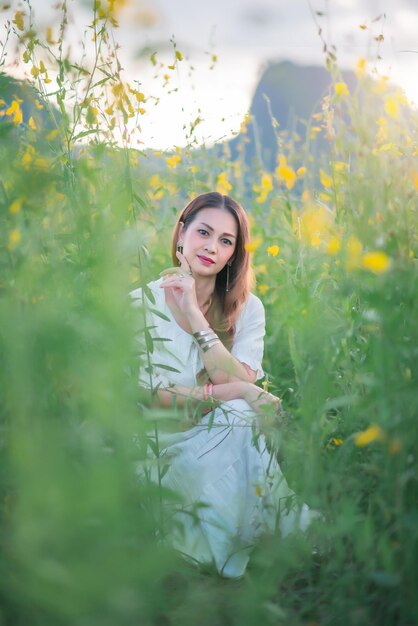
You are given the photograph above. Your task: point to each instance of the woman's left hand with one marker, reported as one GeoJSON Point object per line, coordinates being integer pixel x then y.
{"type": "Point", "coordinates": [261, 401]}
{"type": "Point", "coordinates": [182, 286]}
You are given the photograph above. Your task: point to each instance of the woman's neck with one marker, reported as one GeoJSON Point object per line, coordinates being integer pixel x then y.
{"type": "Point", "coordinates": [205, 289]}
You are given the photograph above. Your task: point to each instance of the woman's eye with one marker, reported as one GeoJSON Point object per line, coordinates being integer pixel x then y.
{"type": "Point", "coordinates": [202, 231]}
{"type": "Point", "coordinates": [227, 241]}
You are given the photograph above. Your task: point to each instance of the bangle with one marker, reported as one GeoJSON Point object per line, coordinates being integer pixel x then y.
{"type": "Point", "coordinates": [206, 339]}
{"type": "Point", "coordinates": [202, 333]}
{"type": "Point", "coordinates": [210, 392]}
{"type": "Point", "coordinates": [207, 392]}
{"type": "Point", "coordinates": [207, 346]}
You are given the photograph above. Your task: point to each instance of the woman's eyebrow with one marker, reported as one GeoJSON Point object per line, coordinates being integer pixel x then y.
{"type": "Point", "coordinates": [210, 228]}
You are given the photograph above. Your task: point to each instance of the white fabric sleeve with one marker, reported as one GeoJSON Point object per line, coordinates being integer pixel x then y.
{"type": "Point", "coordinates": [248, 346]}
{"type": "Point", "coordinates": [159, 377]}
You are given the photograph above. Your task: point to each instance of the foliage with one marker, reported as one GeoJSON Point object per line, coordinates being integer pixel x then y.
{"type": "Point", "coordinates": [334, 246]}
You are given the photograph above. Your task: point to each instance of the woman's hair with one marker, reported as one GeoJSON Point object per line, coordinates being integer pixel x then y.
{"type": "Point", "coordinates": [225, 307]}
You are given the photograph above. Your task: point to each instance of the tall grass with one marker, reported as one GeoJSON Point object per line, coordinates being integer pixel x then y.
{"type": "Point", "coordinates": [83, 221]}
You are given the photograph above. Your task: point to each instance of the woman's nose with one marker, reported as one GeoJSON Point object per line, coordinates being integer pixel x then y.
{"type": "Point", "coordinates": [210, 245]}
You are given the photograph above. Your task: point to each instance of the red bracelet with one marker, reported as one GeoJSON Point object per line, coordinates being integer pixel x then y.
{"type": "Point", "coordinates": [210, 391]}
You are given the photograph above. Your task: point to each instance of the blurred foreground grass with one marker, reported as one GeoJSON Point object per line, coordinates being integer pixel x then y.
{"type": "Point", "coordinates": [334, 246]}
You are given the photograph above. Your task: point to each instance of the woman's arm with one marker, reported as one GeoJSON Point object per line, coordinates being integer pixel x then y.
{"type": "Point", "coordinates": [220, 364]}
{"type": "Point", "coordinates": [257, 398]}
{"type": "Point", "coordinates": [182, 395]}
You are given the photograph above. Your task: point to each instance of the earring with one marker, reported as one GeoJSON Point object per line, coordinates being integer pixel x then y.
{"type": "Point", "coordinates": [180, 247]}
{"type": "Point", "coordinates": [228, 265]}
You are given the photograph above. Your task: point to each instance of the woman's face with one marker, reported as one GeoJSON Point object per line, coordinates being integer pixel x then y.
{"type": "Point", "coordinates": [209, 241]}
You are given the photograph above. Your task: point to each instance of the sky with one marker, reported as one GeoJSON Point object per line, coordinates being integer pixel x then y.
{"type": "Point", "coordinates": [245, 36]}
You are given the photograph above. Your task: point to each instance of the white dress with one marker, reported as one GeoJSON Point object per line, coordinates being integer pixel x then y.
{"type": "Point", "coordinates": [233, 476]}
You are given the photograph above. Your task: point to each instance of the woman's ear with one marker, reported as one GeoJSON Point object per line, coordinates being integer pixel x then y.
{"type": "Point", "coordinates": [181, 229]}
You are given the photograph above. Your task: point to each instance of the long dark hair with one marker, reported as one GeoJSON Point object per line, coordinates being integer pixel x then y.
{"type": "Point", "coordinates": [225, 307]}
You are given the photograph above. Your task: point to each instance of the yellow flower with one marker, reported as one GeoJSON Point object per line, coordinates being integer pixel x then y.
{"type": "Point", "coordinates": [15, 110]}
{"type": "Point", "coordinates": [377, 262]}
{"type": "Point", "coordinates": [244, 124]}
{"type": "Point", "coordinates": [223, 185]}
{"type": "Point", "coordinates": [262, 289]}
{"type": "Point", "coordinates": [314, 223]}
{"type": "Point", "coordinates": [372, 433]}
{"type": "Point", "coordinates": [333, 246]}
{"type": "Point", "coordinates": [52, 134]}
{"type": "Point", "coordinates": [341, 89]}
{"type": "Point", "coordinates": [264, 189]}
{"type": "Point", "coordinates": [415, 180]}
{"type": "Point", "coordinates": [28, 156]}
{"type": "Point", "coordinates": [14, 238]}
{"type": "Point", "coordinates": [41, 163]}
{"type": "Point", "coordinates": [179, 55]}
{"type": "Point", "coordinates": [155, 181]}
{"type": "Point", "coordinates": [392, 107]}
{"type": "Point", "coordinates": [50, 36]}
{"type": "Point", "coordinates": [340, 166]}
{"type": "Point", "coordinates": [354, 250]}
{"type": "Point", "coordinates": [337, 441]}
{"type": "Point", "coordinates": [325, 179]}
{"type": "Point", "coordinates": [361, 67]}
{"type": "Point", "coordinates": [18, 20]}
{"type": "Point", "coordinates": [16, 206]}
{"type": "Point", "coordinates": [285, 172]}
{"type": "Point", "coordinates": [313, 131]}
{"type": "Point", "coordinates": [32, 123]}
{"type": "Point", "coordinates": [115, 6]}
{"type": "Point", "coordinates": [253, 245]}
{"type": "Point", "coordinates": [91, 115]}
{"type": "Point", "coordinates": [157, 187]}
{"type": "Point", "coordinates": [258, 491]}
{"type": "Point", "coordinates": [301, 171]}
{"type": "Point", "coordinates": [173, 161]}
{"type": "Point", "coordinates": [273, 250]}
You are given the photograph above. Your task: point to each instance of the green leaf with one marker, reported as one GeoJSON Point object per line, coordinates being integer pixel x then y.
{"type": "Point", "coordinates": [148, 341]}
{"type": "Point", "coordinates": [164, 470]}
{"type": "Point", "coordinates": [149, 294]}
{"type": "Point", "coordinates": [159, 314]}
{"type": "Point", "coordinates": [166, 367]}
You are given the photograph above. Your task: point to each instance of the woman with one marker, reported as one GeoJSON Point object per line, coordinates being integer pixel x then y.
{"type": "Point", "coordinates": [210, 343]}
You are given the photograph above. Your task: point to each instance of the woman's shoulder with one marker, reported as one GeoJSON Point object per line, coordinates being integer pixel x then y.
{"type": "Point", "coordinates": [252, 308]}
{"type": "Point", "coordinates": [253, 303]}
{"type": "Point", "coordinates": [150, 294]}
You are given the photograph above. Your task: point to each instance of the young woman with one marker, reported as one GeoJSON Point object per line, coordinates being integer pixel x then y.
{"type": "Point", "coordinates": [213, 328]}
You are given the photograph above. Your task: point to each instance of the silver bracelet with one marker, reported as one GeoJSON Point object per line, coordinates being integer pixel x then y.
{"type": "Point", "coordinates": [207, 346]}
{"type": "Point", "coordinates": [203, 340]}
{"type": "Point", "coordinates": [202, 333]}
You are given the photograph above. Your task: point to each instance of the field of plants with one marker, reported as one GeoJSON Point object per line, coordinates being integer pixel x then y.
{"type": "Point", "coordinates": [85, 217]}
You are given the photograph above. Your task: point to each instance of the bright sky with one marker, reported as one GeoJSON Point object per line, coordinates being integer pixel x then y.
{"type": "Point", "coordinates": [245, 35]}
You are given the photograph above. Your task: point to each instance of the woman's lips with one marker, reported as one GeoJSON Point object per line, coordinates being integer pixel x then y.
{"type": "Point", "coordinates": [205, 260]}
